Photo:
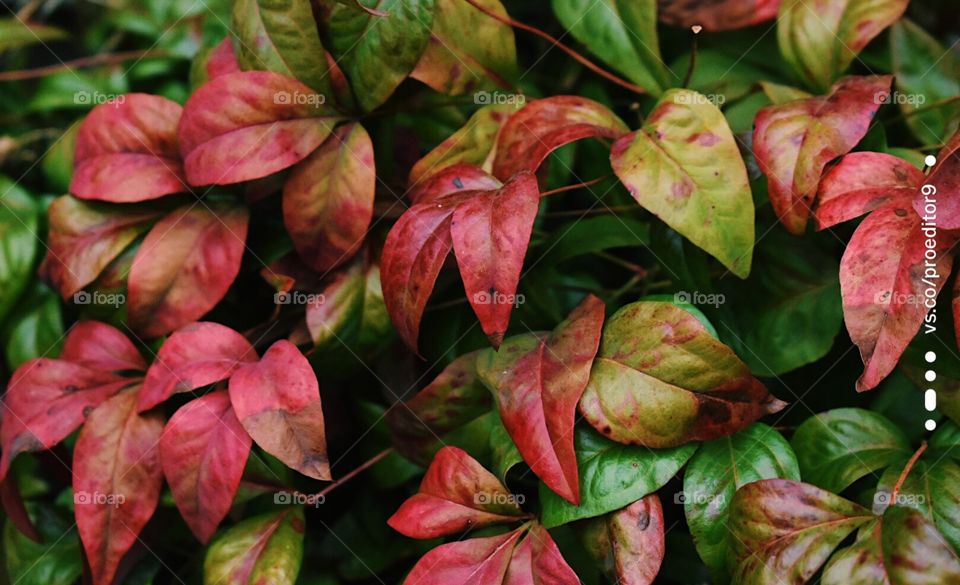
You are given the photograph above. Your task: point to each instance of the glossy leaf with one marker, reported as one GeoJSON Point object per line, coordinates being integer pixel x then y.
{"type": "Point", "coordinates": [263, 549]}
{"type": "Point", "coordinates": [116, 481]}
{"type": "Point", "coordinates": [195, 356]}
{"type": "Point", "coordinates": [456, 494]}
{"type": "Point", "coordinates": [819, 39]}
{"type": "Point", "coordinates": [468, 50]}
{"type": "Point", "coordinates": [622, 33]}
{"type": "Point", "coordinates": [544, 125]}
{"type": "Point", "coordinates": [328, 198]}
{"type": "Point", "coordinates": [203, 450]}
{"type": "Point", "coordinates": [245, 126]}
{"type": "Point", "coordinates": [477, 561]}
{"type": "Point", "coordinates": [629, 543]}
{"type": "Point", "coordinates": [279, 36]}
{"type": "Point", "coordinates": [661, 380]}
{"type": "Point", "coordinates": [718, 15]}
{"type": "Point", "coordinates": [612, 476]}
{"type": "Point", "coordinates": [394, 41]}
{"type": "Point", "coordinates": [36, 331]}
{"type": "Point", "coordinates": [883, 280]}
{"type": "Point", "coordinates": [127, 151]}
{"type": "Point", "coordinates": [932, 486]}
{"type": "Point", "coordinates": [19, 242]}
{"type": "Point", "coordinates": [185, 265]}
{"type": "Point", "coordinates": [684, 167]}
{"type": "Point", "coordinates": [56, 560]}
{"type": "Point", "coordinates": [278, 402]}
{"type": "Point", "coordinates": [783, 531]}
{"type": "Point", "coordinates": [793, 142]}
{"type": "Point", "coordinates": [537, 384]}
{"type": "Point", "coordinates": [838, 447]}
{"type": "Point", "coordinates": [716, 472]}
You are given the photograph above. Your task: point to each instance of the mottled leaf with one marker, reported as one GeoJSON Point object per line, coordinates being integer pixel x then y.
{"type": "Point", "coordinates": [629, 543]}
{"type": "Point", "coordinates": [862, 182]}
{"type": "Point", "coordinates": [718, 14]}
{"type": "Point", "coordinates": [263, 549]}
{"type": "Point", "coordinates": [477, 561]}
{"type": "Point", "coordinates": [452, 179]}
{"type": "Point", "coordinates": [99, 346]}
{"type": "Point", "coordinates": [932, 486]}
{"type": "Point", "coordinates": [936, 200]}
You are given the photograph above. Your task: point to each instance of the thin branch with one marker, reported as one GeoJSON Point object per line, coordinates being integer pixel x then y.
{"type": "Point", "coordinates": [906, 471]}
{"type": "Point", "coordinates": [363, 466]}
{"type": "Point", "coordinates": [589, 183]}
{"type": "Point", "coordinates": [92, 61]}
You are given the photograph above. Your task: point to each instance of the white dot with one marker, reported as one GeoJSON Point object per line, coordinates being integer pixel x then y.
{"type": "Point", "coordinates": [930, 160]}
{"type": "Point", "coordinates": [930, 357]}
{"type": "Point", "coordinates": [930, 424]}
{"type": "Point", "coordinates": [930, 375]}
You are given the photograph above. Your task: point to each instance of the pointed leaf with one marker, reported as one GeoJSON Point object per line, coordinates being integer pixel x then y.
{"type": "Point", "coordinates": [116, 481]}
{"type": "Point", "coordinates": [793, 142]}
{"type": "Point", "coordinates": [862, 182]}
{"type": "Point", "coordinates": [19, 241]}
{"type": "Point", "coordinates": [185, 265]}
{"type": "Point", "coordinates": [222, 60]}
{"type": "Point", "coordinates": [629, 543]}
{"type": "Point", "coordinates": [537, 561]}
{"type": "Point", "coordinates": [661, 380]}
{"type": "Point", "coordinates": [203, 451]}
{"type": "Point", "coordinates": [478, 561]}
{"type": "Point", "coordinates": [456, 494]}
{"type": "Point", "coordinates": [245, 126]}
{"type": "Point", "coordinates": [328, 198]}
{"type": "Point", "coordinates": [278, 402]}
{"type": "Point", "coordinates": [684, 167]}
{"type": "Point", "coordinates": [127, 151]}
{"type": "Point", "coordinates": [263, 549]}
{"type": "Point", "coordinates": [717, 15]}
{"type": "Point", "coordinates": [542, 126]}
{"type": "Point", "coordinates": [101, 347]}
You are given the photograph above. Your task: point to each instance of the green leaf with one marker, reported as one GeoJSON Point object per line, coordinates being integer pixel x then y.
{"type": "Point", "coordinates": [715, 473]}
{"type": "Point", "coordinates": [55, 561]}
{"type": "Point", "coordinates": [468, 50]}
{"type": "Point", "coordinates": [947, 438]}
{"type": "Point", "coordinates": [926, 73]}
{"type": "Point", "coordinates": [18, 242]}
{"type": "Point", "coordinates": [684, 166]}
{"type": "Point", "coordinates": [36, 329]}
{"type": "Point", "coordinates": [788, 312]}
{"type": "Point", "coordinates": [280, 36]}
{"type": "Point", "coordinates": [819, 39]}
{"type": "Point", "coordinates": [471, 144]}
{"type": "Point", "coordinates": [594, 234]}
{"type": "Point", "coordinates": [612, 475]}
{"type": "Point", "coordinates": [932, 487]}
{"type": "Point", "coordinates": [782, 531]}
{"type": "Point", "coordinates": [838, 447]}
{"type": "Point", "coordinates": [263, 549]}
{"type": "Point", "coordinates": [14, 33]}
{"type": "Point", "coordinates": [623, 33]}
{"type": "Point", "coordinates": [378, 52]}
{"type": "Point", "coordinates": [503, 451]}
{"type": "Point", "coordinates": [57, 164]}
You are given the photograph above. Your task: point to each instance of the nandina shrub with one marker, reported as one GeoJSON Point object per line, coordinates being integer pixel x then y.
{"type": "Point", "coordinates": [459, 291]}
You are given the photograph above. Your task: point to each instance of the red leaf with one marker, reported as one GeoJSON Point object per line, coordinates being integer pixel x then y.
{"type": "Point", "coordinates": [945, 179]}
{"type": "Point", "coordinates": [15, 510]}
{"type": "Point", "coordinates": [629, 543]}
{"type": "Point", "coordinates": [195, 356]}
{"type": "Point", "coordinates": [185, 266]}
{"type": "Point", "coordinates": [537, 391]}
{"type": "Point", "coordinates": [47, 400]}
{"type": "Point", "coordinates": [490, 233]}
{"type": "Point", "coordinates": [203, 451]}
{"type": "Point", "coordinates": [85, 237]}
{"type": "Point", "coordinates": [478, 561]}
{"type": "Point", "coordinates": [542, 126]}
{"type": "Point", "coordinates": [127, 151]}
{"type": "Point", "coordinates": [794, 141]}
{"type": "Point", "coordinates": [116, 481]}
{"type": "Point", "coordinates": [278, 402]}
{"type": "Point", "coordinates": [328, 199]}
{"type": "Point", "coordinates": [456, 494]}
{"type": "Point", "coordinates": [221, 60]}
{"type": "Point", "coordinates": [244, 126]}
{"type": "Point", "coordinates": [717, 15]}
{"type": "Point", "coordinates": [862, 182]}
{"type": "Point", "coordinates": [102, 347]}
{"type": "Point", "coordinates": [457, 177]}
{"type": "Point", "coordinates": [883, 279]}
{"type": "Point", "coordinates": [537, 561]}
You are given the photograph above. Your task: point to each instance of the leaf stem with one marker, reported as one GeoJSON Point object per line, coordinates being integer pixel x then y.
{"type": "Point", "coordinates": [556, 42]}
{"type": "Point", "coordinates": [92, 61]}
{"type": "Point", "coordinates": [906, 471]}
{"type": "Point", "coordinates": [363, 466]}
{"type": "Point", "coordinates": [589, 183]}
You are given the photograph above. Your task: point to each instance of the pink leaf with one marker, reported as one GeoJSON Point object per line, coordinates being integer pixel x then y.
{"type": "Point", "coordinates": [278, 402]}
{"type": "Point", "coordinates": [717, 15]}
{"type": "Point", "coordinates": [537, 561]}
{"type": "Point", "coordinates": [244, 126]}
{"type": "Point", "coordinates": [221, 60]}
{"type": "Point", "coordinates": [943, 185]}
{"type": "Point", "coordinates": [478, 561]}
{"type": "Point", "coordinates": [195, 356]}
{"type": "Point", "coordinates": [116, 481]}
{"type": "Point", "coordinates": [127, 151]}
{"type": "Point", "coordinates": [102, 347]}
{"type": "Point", "coordinates": [862, 182]}
{"type": "Point", "coordinates": [185, 266]}
{"type": "Point", "coordinates": [451, 179]}
{"type": "Point", "coordinates": [203, 451]}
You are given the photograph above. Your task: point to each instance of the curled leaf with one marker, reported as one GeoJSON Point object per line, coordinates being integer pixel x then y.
{"type": "Point", "coordinates": [862, 182]}
{"type": "Point", "coordinates": [629, 543]}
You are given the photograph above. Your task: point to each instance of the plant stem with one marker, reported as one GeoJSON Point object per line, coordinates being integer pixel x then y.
{"type": "Point", "coordinates": [363, 466]}
{"type": "Point", "coordinates": [589, 183]}
{"type": "Point", "coordinates": [906, 471]}
{"type": "Point", "coordinates": [92, 61]}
